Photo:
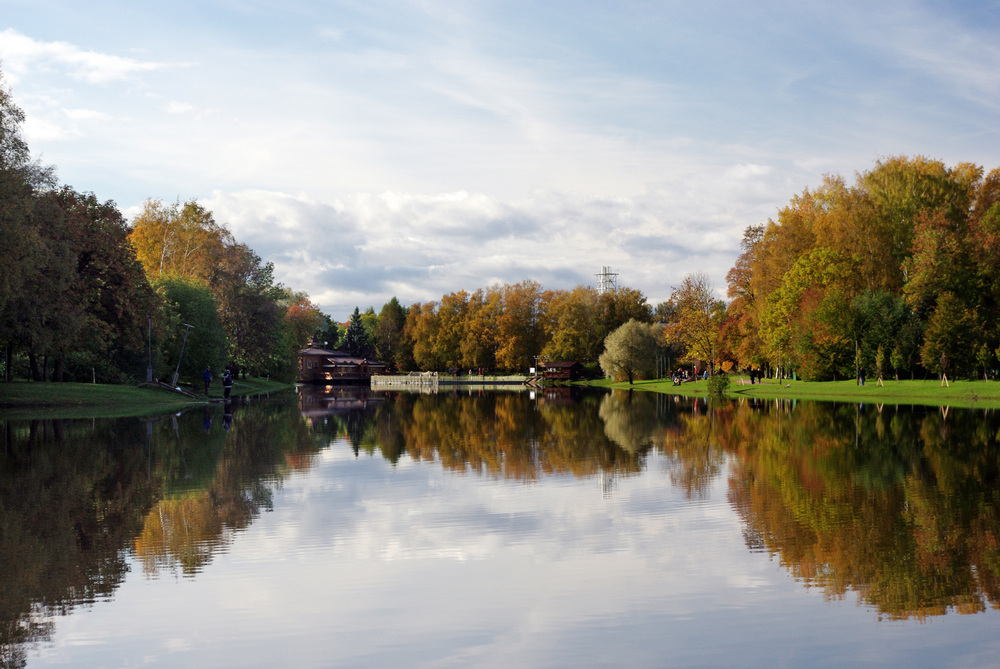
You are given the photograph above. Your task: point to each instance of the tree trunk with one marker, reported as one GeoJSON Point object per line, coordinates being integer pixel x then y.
{"type": "Point", "coordinates": [36, 374]}
{"type": "Point", "coordinates": [57, 370]}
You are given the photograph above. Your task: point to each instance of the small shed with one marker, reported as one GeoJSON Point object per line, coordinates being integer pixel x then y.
{"type": "Point", "coordinates": [563, 371]}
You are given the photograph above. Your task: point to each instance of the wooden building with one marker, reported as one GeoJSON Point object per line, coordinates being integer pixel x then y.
{"type": "Point", "coordinates": [562, 371]}
{"type": "Point", "coordinates": [323, 365]}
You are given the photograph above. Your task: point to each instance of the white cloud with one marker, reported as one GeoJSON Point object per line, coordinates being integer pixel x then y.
{"type": "Point", "coordinates": [20, 54]}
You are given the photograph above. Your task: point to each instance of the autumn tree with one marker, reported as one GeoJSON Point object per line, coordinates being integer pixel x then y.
{"type": "Point", "coordinates": [179, 239]}
{"type": "Point", "coordinates": [302, 316]}
{"type": "Point", "coordinates": [572, 317]}
{"type": "Point", "coordinates": [740, 334]}
{"type": "Point", "coordinates": [452, 318]}
{"type": "Point", "coordinates": [698, 318]}
{"type": "Point", "coordinates": [481, 339]}
{"type": "Point", "coordinates": [421, 331]}
{"type": "Point", "coordinates": [519, 327]}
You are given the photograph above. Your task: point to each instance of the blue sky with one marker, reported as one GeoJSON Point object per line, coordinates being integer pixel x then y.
{"type": "Point", "coordinates": [381, 148]}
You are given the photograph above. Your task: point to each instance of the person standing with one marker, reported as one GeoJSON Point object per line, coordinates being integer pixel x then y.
{"type": "Point", "coordinates": [227, 383]}
{"type": "Point", "coordinates": [207, 377]}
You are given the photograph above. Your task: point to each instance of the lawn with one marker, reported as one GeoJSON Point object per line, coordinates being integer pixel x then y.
{"type": "Point", "coordinates": [980, 394]}
{"type": "Point", "coordinates": [25, 399]}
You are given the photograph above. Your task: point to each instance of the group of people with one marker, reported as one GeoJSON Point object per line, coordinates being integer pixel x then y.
{"type": "Point", "coordinates": [227, 381]}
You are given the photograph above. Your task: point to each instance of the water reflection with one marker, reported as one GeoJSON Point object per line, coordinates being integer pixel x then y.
{"type": "Point", "coordinates": [898, 505]}
{"type": "Point", "coordinates": [79, 496]}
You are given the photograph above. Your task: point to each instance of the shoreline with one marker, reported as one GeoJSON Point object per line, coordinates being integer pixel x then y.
{"type": "Point", "coordinates": [31, 399]}
{"type": "Point", "coordinates": [960, 394]}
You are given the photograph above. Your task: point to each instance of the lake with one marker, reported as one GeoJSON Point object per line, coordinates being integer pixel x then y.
{"type": "Point", "coordinates": [474, 528]}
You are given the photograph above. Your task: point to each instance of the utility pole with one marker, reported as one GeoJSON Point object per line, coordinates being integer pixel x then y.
{"type": "Point", "coordinates": [177, 372]}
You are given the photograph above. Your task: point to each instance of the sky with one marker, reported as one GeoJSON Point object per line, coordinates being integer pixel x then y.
{"type": "Point", "coordinates": [380, 148]}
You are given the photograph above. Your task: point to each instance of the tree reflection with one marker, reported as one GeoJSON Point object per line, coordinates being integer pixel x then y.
{"type": "Point", "coordinates": [68, 509]}
{"type": "Point", "coordinates": [899, 506]}
{"type": "Point", "coordinates": [505, 435]}
{"type": "Point", "coordinates": [192, 523]}
{"type": "Point", "coordinates": [76, 496]}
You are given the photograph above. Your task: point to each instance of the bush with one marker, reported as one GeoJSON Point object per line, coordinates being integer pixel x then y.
{"type": "Point", "coordinates": [718, 384]}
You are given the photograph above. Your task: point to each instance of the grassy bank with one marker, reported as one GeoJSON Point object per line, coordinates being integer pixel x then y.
{"type": "Point", "coordinates": [23, 399]}
{"type": "Point", "coordinates": [980, 394]}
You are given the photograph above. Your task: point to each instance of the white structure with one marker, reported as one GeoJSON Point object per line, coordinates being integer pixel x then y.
{"type": "Point", "coordinates": [606, 280]}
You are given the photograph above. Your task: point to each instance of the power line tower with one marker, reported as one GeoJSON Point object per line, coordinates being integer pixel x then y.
{"type": "Point", "coordinates": [606, 280]}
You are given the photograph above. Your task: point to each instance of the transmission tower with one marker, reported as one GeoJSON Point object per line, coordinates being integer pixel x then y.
{"type": "Point", "coordinates": [606, 280]}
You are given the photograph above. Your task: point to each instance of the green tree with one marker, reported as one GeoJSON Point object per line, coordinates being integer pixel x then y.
{"type": "Point", "coordinates": [389, 332]}
{"type": "Point", "coordinates": [189, 301]}
{"type": "Point", "coordinates": [112, 287]}
{"type": "Point", "coordinates": [950, 341]}
{"type": "Point", "coordinates": [251, 314]}
{"type": "Point", "coordinates": [356, 340]}
{"type": "Point", "coordinates": [614, 308]}
{"type": "Point", "coordinates": [629, 352]}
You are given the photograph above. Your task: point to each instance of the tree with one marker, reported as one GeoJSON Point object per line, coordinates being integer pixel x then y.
{"type": "Point", "coordinates": [480, 340]}
{"type": "Point", "coordinates": [389, 332]}
{"type": "Point", "coordinates": [302, 317]}
{"type": "Point", "coordinates": [175, 239]}
{"type": "Point", "coordinates": [629, 352]}
{"type": "Point", "coordinates": [48, 319]}
{"type": "Point", "coordinates": [113, 288]}
{"type": "Point", "coordinates": [189, 301]}
{"type": "Point", "coordinates": [356, 340]}
{"type": "Point", "coordinates": [740, 334]}
{"type": "Point", "coordinates": [699, 316]}
{"type": "Point", "coordinates": [452, 316]}
{"type": "Point", "coordinates": [250, 312]}
{"type": "Point", "coordinates": [950, 339]}
{"type": "Point", "coordinates": [15, 199]}
{"type": "Point", "coordinates": [519, 327]}
{"type": "Point", "coordinates": [613, 309]}
{"type": "Point", "coordinates": [572, 315]}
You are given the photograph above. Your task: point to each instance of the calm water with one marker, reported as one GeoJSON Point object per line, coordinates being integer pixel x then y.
{"type": "Point", "coordinates": [503, 529]}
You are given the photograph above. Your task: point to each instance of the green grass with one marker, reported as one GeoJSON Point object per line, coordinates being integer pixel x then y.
{"type": "Point", "coordinates": [24, 399]}
{"type": "Point", "coordinates": [979, 394]}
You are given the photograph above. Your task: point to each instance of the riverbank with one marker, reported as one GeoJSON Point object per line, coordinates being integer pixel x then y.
{"type": "Point", "coordinates": [21, 399]}
{"type": "Point", "coordinates": [978, 394]}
